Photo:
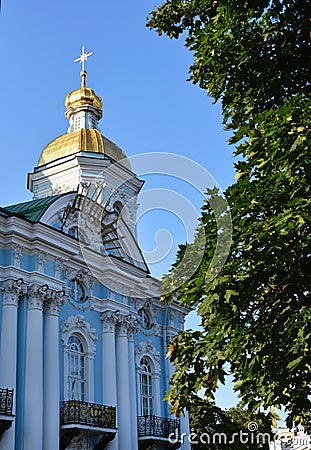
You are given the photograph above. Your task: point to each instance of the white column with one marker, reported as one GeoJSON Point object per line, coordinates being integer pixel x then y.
{"type": "Point", "coordinates": [11, 292]}
{"type": "Point", "coordinates": [33, 422]}
{"type": "Point", "coordinates": [184, 428]}
{"type": "Point", "coordinates": [123, 385]}
{"type": "Point", "coordinates": [109, 374]}
{"type": "Point", "coordinates": [51, 387]}
{"type": "Point", "coordinates": [133, 327]}
{"type": "Point", "coordinates": [184, 420]}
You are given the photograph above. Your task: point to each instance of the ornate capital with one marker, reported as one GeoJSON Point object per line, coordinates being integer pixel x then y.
{"type": "Point", "coordinates": [145, 348]}
{"type": "Point", "coordinates": [127, 324]}
{"type": "Point", "coordinates": [109, 319]}
{"type": "Point", "coordinates": [37, 295]}
{"type": "Point", "coordinates": [53, 301]}
{"type": "Point", "coordinates": [77, 324]}
{"type": "Point", "coordinates": [12, 290]}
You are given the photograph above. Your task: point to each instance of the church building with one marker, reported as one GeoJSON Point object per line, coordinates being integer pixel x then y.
{"type": "Point", "coordinates": [83, 333]}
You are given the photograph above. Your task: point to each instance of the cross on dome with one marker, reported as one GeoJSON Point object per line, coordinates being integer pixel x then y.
{"type": "Point", "coordinates": [82, 58]}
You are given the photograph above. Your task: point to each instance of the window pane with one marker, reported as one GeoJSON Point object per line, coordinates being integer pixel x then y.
{"type": "Point", "coordinates": [146, 391]}
{"type": "Point", "coordinates": [76, 372]}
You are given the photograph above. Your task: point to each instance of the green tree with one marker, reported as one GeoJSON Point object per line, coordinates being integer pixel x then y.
{"type": "Point", "coordinates": [216, 429]}
{"type": "Point", "coordinates": [254, 57]}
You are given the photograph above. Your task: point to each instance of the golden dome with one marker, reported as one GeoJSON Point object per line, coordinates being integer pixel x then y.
{"type": "Point", "coordinates": [83, 140]}
{"type": "Point", "coordinates": [81, 97]}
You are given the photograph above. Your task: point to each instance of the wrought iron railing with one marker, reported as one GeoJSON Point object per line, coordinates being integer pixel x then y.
{"type": "Point", "coordinates": [6, 402]}
{"type": "Point", "coordinates": [157, 426]}
{"type": "Point", "coordinates": [84, 413]}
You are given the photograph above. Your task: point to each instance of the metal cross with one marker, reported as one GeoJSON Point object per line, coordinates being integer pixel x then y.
{"type": "Point", "coordinates": [83, 57]}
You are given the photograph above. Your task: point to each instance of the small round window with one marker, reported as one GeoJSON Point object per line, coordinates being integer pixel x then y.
{"type": "Point", "coordinates": [145, 319]}
{"type": "Point", "coordinates": [77, 291]}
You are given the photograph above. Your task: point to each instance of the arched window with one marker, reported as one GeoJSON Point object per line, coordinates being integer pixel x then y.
{"type": "Point", "coordinates": [76, 369]}
{"type": "Point", "coordinates": [147, 360]}
{"type": "Point", "coordinates": [79, 354]}
{"type": "Point", "coordinates": [146, 388]}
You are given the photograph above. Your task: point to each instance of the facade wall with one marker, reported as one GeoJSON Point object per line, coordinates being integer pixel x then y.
{"type": "Point", "coordinates": [40, 268]}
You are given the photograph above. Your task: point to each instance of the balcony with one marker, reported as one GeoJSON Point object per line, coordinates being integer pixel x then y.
{"type": "Point", "coordinates": [76, 416]}
{"type": "Point", "coordinates": [6, 409]}
{"type": "Point", "coordinates": [154, 429]}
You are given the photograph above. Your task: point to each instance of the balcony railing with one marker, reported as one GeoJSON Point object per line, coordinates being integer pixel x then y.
{"type": "Point", "coordinates": [6, 402]}
{"type": "Point", "coordinates": [90, 414]}
{"type": "Point", "coordinates": [157, 426]}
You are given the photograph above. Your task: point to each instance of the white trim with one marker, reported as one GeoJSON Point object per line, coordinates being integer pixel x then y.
{"type": "Point", "coordinates": [76, 325]}
{"type": "Point", "coordinates": [54, 212]}
{"type": "Point", "coordinates": [146, 350]}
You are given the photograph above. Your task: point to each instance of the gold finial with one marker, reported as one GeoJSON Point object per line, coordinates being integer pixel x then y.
{"type": "Point", "coordinates": [83, 57]}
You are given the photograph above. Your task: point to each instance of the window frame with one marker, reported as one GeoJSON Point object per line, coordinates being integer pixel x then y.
{"type": "Point", "coordinates": [145, 350]}
{"type": "Point", "coordinates": [76, 363]}
{"type": "Point", "coordinates": [77, 326]}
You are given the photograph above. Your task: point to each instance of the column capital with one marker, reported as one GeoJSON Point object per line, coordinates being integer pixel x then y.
{"type": "Point", "coordinates": [37, 294]}
{"type": "Point", "coordinates": [12, 290]}
{"type": "Point", "coordinates": [54, 299]}
{"type": "Point", "coordinates": [127, 325]}
{"type": "Point", "coordinates": [109, 320]}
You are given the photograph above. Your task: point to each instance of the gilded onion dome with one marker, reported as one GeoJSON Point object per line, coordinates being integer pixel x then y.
{"type": "Point", "coordinates": [82, 140]}
{"type": "Point", "coordinates": [83, 111]}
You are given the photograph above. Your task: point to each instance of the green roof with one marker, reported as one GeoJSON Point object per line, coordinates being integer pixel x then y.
{"type": "Point", "coordinates": [32, 210]}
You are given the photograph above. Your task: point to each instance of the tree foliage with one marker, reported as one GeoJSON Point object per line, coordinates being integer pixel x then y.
{"type": "Point", "coordinates": [216, 429]}
{"type": "Point", "coordinates": [254, 57]}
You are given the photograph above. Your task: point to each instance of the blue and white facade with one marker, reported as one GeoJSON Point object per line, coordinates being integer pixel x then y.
{"type": "Point", "coordinates": [83, 332]}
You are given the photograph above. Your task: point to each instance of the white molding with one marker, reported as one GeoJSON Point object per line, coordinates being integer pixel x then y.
{"type": "Point", "coordinates": [146, 349]}
{"type": "Point", "coordinates": [76, 325]}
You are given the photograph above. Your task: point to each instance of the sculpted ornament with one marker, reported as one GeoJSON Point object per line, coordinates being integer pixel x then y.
{"type": "Point", "coordinates": [145, 348]}
{"type": "Point", "coordinates": [78, 324]}
{"type": "Point", "coordinates": [41, 261]}
{"type": "Point", "coordinates": [18, 250]}
{"type": "Point", "coordinates": [110, 316]}
{"type": "Point", "coordinates": [78, 443]}
{"type": "Point", "coordinates": [86, 281]}
{"type": "Point", "coordinates": [38, 295]}
{"type": "Point", "coordinates": [12, 290]}
{"type": "Point", "coordinates": [54, 300]}
{"type": "Point", "coordinates": [59, 267]}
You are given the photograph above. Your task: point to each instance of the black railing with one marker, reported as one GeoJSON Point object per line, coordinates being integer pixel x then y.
{"type": "Point", "coordinates": [84, 413]}
{"type": "Point", "coordinates": [157, 426]}
{"type": "Point", "coordinates": [6, 402]}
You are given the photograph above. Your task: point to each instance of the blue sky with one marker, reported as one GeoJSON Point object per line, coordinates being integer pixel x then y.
{"type": "Point", "coordinates": [149, 106]}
